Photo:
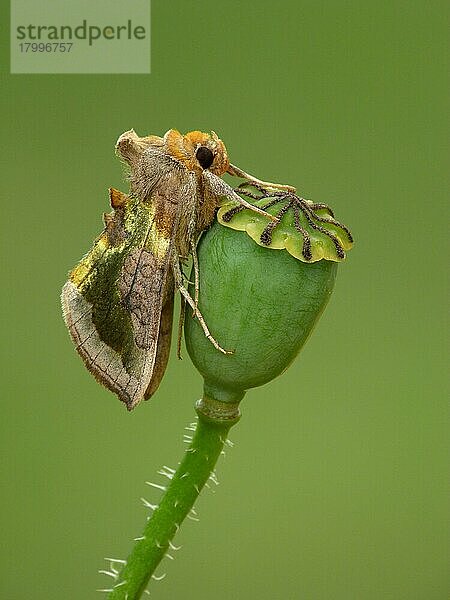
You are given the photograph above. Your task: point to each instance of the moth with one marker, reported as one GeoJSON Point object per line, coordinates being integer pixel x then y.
{"type": "Point", "coordinates": [118, 301]}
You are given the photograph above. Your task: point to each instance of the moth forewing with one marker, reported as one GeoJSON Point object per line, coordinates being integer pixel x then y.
{"type": "Point", "coordinates": [113, 301]}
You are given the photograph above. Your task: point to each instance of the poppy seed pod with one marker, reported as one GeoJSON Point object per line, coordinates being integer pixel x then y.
{"type": "Point", "coordinates": [261, 300]}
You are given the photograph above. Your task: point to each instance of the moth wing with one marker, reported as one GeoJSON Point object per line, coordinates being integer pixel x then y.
{"type": "Point", "coordinates": [163, 347]}
{"type": "Point", "coordinates": [186, 195]}
{"type": "Point", "coordinates": [114, 298]}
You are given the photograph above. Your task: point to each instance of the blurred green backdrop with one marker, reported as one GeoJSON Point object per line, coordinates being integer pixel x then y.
{"type": "Point", "coordinates": [336, 486]}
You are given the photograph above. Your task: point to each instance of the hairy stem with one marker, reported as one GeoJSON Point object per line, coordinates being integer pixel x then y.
{"type": "Point", "coordinates": [177, 501]}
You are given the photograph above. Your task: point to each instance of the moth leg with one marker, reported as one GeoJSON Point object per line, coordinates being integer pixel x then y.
{"type": "Point", "coordinates": [180, 327]}
{"type": "Point", "coordinates": [266, 185]}
{"type": "Point", "coordinates": [233, 196]}
{"type": "Point", "coordinates": [193, 251]}
{"type": "Point", "coordinates": [196, 277]}
{"type": "Point", "coordinates": [188, 298]}
{"type": "Point", "coordinates": [220, 188]}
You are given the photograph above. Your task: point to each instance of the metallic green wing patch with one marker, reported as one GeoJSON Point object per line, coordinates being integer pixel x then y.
{"type": "Point", "coordinates": [307, 230]}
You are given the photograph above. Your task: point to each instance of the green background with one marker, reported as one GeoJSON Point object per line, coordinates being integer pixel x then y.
{"type": "Point", "coordinates": [336, 486]}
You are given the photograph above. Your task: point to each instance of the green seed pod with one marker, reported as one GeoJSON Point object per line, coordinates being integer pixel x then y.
{"type": "Point", "coordinates": [261, 302]}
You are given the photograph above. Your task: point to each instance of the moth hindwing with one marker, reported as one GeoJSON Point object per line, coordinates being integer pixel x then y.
{"type": "Point", "coordinates": [118, 301]}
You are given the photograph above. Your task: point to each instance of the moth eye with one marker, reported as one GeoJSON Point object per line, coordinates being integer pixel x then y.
{"type": "Point", "coordinates": [204, 156]}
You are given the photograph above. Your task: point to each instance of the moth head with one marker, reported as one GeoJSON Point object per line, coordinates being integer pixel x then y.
{"type": "Point", "coordinates": [198, 151]}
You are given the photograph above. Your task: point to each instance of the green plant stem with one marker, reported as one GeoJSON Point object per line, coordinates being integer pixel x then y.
{"type": "Point", "coordinates": [175, 505]}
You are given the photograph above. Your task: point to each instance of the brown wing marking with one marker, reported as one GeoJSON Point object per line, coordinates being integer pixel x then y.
{"type": "Point", "coordinates": [103, 361]}
{"type": "Point", "coordinates": [163, 347]}
{"type": "Point", "coordinates": [140, 288]}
